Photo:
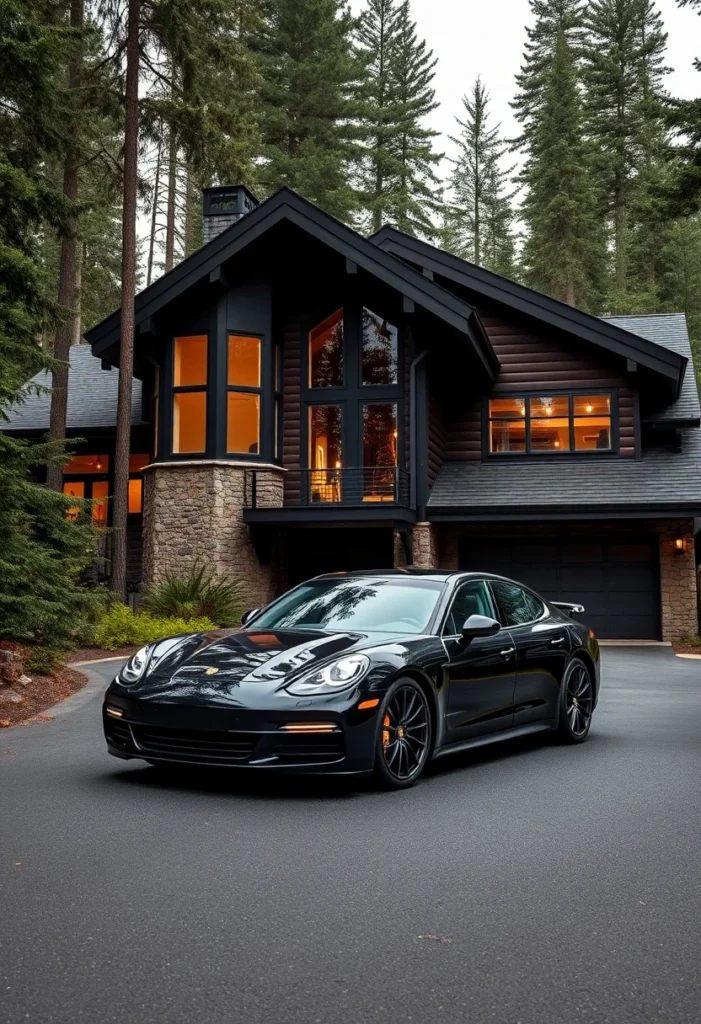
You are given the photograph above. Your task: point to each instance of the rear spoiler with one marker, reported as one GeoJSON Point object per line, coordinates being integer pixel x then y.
{"type": "Point", "coordinates": [568, 607]}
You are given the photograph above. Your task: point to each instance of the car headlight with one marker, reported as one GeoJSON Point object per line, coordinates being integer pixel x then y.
{"type": "Point", "coordinates": [135, 667]}
{"type": "Point", "coordinates": [336, 676]}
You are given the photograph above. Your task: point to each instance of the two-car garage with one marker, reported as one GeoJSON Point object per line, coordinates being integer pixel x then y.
{"type": "Point", "coordinates": [616, 579]}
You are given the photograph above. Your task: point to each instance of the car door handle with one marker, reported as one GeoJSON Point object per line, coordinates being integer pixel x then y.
{"type": "Point", "coordinates": [507, 651]}
{"type": "Point", "coordinates": [559, 640]}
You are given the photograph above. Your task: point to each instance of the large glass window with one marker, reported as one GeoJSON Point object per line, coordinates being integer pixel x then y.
{"type": "Point", "coordinates": [325, 452]}
{"type": "Point", "coordinates": [243, 395]}
{"type": "Point", "coordinates": [84, 464]}
{"type": "Point", "coordinates": [190, 394]}
{"type": "Point", "coordinates": [380, 350]}
{"type": "Point", "coordinates": [550, 423]}
{"type": "Point", "coordinates": [379, 451]}
{"type": "Point", "coordinates": [326, 353]}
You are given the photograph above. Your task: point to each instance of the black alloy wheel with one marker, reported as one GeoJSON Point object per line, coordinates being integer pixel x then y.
{"type": "Point", "coordinates": [577, 704]}
{"type": "Point", "coordinates": [404, 736]}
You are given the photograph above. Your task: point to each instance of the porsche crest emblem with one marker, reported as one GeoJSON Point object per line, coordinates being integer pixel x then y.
{"type": "Point", "coordinates": [211, 671]}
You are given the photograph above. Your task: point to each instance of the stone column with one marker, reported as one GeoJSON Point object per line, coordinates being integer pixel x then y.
{"type": "Point", "coordinates": [193, 513]}
{"type": "Point", "coordinates": [425, 546]}
{"type": "Point", "coordinates": [678, 580]}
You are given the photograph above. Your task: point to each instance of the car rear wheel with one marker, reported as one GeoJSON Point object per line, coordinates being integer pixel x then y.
{"type": "Point", "coordinates": [403, 739]}
{"type": "Point", "coordinates": [576, 703]}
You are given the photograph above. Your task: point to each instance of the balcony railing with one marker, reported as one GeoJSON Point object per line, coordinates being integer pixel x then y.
{"type": "Point", "coordinates": [368, 486]}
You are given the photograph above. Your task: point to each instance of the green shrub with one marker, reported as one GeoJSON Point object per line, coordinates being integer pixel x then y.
{"type": "Point", "coordinates": [121, 627]}
{"type": "Point", "coordinates": [43, 661]}
{"type": "Point", "coordinates": [692, 641]}
{"type": "Point", "coordinates": [194, 595]}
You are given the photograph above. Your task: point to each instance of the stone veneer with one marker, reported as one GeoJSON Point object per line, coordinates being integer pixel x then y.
{"type": "Point", "coordinates": [193, 513]}
{"type": "Point", "coordinates": [425, 546]}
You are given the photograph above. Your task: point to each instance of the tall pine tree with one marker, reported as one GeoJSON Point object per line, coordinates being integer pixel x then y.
{"type": "Point", "coordinates": [412, 147]}
{"type": "Point", "coordinates": [624, 69]}
{"type": "Point", "coordinates": [479, 185]}
{"type": "Point", "coordinates": [563, 254]}
{"type": "Point", "coordinates": [309, 79]}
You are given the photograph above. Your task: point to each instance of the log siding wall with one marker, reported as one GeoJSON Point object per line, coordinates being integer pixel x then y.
{"type": "Point", "coordinates": [532, 362]}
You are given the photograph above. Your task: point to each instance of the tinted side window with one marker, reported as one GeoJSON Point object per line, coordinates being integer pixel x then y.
{"type": "Point", "coordinates": [471, 599]}
{"type": "Point", "coordinates": [516, 605]}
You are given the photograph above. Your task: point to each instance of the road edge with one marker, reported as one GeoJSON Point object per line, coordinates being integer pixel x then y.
{"type": "Point", "coordinates": [94, 685]}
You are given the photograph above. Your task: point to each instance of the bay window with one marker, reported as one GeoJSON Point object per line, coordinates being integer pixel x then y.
{"type": "Point", "coordinates": [190, 394]}
{"type": "Point", "coordinates": [243, 398]}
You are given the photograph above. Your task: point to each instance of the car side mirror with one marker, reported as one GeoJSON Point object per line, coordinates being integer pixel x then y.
{"type": "Point", "coordinates": [479, 625]}
{"type": "Point", "coordinates": [247, 616]}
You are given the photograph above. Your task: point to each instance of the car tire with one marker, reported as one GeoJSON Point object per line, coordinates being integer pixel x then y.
{"type": "Point", "coordinates": [404, 736]}
{"type": "Point", "coordinates": [576, 703]}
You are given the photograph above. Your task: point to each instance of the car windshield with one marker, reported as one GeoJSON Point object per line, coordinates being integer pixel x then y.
{"type": "Point", "coordinates": [371, 605]}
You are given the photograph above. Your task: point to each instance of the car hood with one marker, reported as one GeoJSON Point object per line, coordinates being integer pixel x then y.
{"type": "Point", "coordinates": [237, 666]}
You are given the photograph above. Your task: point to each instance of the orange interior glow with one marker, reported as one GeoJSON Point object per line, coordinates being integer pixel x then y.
{"type": "Point", "coordinates": [100, 490]}
{"type": "Point", "coordinates": [74, 489]}
{"type": "Point", "coordinates": [244, 361]}
{"type": "Point", "coordinates": [242, 422]}
{"type": "Point", "coordinates": [87, 464]}
{"type": "Point", "coordinates": [138, 462]}
{"type": "Point", "coordinates": [135, 492]}
{"type": "Point", "coordinates": [189, 421]}
{"type": "Point", "coordinates": [190, 365]}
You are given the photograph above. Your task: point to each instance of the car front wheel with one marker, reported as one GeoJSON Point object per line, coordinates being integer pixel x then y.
{"type": "Point", "coordinates": [403, 739]}
{"type": "Point", "coordinates": [576, 703]}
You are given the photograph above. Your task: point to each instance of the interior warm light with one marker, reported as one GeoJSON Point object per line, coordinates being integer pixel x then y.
{"type": "Point", "coordinates": [548, 410]}
{"type": "Point", "coordinates": [309, 727]}
{"type": "Point", "coordinates": [590, 408]}
{"type": "Point", "coordinates": [557, 444]}
{"type": "Point", "coordinates": [98, 464]}
{"type": "Point", "coordinates": [367, 704]}
{"type": "Point", "coordinates": [338, 463]}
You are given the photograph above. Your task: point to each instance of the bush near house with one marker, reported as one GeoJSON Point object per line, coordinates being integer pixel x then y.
{"type": "Point", "coordinates": [195, 594]}
{"type": "Point", "coordinates": [121, 627]}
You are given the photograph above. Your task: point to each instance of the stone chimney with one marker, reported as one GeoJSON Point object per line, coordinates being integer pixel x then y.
{"type": "Point", "coordinates": [222, 206]}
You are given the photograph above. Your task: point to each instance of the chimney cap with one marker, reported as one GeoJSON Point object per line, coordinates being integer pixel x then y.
{"type": "Point", "coordinates": [225, 200]}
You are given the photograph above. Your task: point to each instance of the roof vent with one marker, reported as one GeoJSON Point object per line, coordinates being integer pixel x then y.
{"type": "Point", "coordinates": [222, 206]}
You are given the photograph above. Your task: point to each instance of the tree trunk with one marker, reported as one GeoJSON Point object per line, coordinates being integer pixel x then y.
{"type": "Point", "coordinates": [190, 201]}
{"type": "Point", "coordinates": [118, 580]}
{"type": "Point", "coordinates": [170, 215]}
{"type": "Point", "coordinates": [154, 212]}
{"type": "Point", "coordinates": [67, 273]}
{"type": "Point", "coordinates": [78, 318]}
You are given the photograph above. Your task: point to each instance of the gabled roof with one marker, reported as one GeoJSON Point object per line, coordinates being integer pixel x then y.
{"type": "Point", "coordinates": [92, 398]}
{"type": "Point", "coordinates": [670, 331]}
{"type": "Point", "coordinates": [286, 205]}
{"type": "Point", "coordinates": [669, 365]}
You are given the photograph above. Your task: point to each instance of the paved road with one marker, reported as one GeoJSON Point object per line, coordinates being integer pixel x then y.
{"type": "Point", "coordinates": [529, 884]}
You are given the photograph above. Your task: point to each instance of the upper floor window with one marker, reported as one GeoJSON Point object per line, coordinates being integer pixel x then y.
{"type": "Point", "coordinates": [326, 353]}
{"type": "Point", "coordinates": [380, 350]}
{"type": "Point", "coordinates": [190, 394]}
{"type": "Point", "coordinates": [243, 395]}
{"type": "Point", "coordinates": [535, 423]}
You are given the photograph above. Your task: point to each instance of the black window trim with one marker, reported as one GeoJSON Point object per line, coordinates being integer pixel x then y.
{"type": "Point", "coordinates": [456, 590]}
{"type": "Point", "coordinates": [515, 583]}
{"type": "Point", "coordinates": [570, 394]}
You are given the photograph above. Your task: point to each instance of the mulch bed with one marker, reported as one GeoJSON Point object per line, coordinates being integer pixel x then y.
{"type": "Point", "coordinates": [43, 692]}
{"type": "Point", "coordinates": [687, 649]}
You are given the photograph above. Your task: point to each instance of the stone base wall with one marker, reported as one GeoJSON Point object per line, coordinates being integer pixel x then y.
{"type": "Point", "coordinates": [678, 580]}
{"type": "Point", "coordinates": [425, 546]}
{"type": "Point", "coordinates": [193, 513]}
{"type": "Point", "coordinates": [678, 577]}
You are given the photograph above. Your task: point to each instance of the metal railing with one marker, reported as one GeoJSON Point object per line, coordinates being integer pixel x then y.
{"type": "Point", "coordinates": [365, 486]}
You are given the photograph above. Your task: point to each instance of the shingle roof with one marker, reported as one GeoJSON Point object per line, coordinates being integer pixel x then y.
{"type": "Point", "coordinates": [662, 478]}
{"type": "Point", "coordinates": [670, 331]}
{"type": "Point", "coordinates": [92, 397]}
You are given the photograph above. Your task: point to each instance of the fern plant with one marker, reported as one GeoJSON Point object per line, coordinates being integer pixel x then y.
{"type": "Point", "coordinates": [197, 594]}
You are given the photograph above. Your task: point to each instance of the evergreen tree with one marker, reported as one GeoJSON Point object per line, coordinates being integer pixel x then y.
{"type": "Point", "coordinates": [309, 76]}
{"type": "Point", "coordinates": [563, 255]}
{"type": "Point", "coordinates": [624, 69]}
{"type": "Point", "coordinates": [680, 279]}
{"type": "Point", "coordinates": [376, 39]}
{"type": "Point", "coordinates": [413, 72]}
{"type": "Point", "coordinates": [478, 184]}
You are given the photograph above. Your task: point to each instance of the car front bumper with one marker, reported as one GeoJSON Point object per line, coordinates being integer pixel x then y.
{"type": "Point", "coordinates": [317, 741]}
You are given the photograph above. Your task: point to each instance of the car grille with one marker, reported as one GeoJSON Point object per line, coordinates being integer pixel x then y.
{"type": "Point", "coordinates": [195, 745]}
{"type": "Point", "coordinates": [118, 734]}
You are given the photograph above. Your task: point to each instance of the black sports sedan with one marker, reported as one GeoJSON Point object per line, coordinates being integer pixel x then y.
{"type": "Point", "coordinates": [358, 673]}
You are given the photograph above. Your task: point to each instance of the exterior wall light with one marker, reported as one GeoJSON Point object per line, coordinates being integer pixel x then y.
{"type": "Point", "coordinates": [679, 545]}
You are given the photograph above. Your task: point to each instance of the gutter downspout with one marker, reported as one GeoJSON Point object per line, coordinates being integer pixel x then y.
{"type": "Point", "coordinates": [413, 438]}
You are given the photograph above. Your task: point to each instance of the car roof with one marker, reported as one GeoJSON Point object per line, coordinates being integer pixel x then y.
{"type": "Point", "coordinates": [441, 575]}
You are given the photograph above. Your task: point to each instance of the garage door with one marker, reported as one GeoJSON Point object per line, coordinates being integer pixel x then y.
{"type": "Point", "coordinates": [315, 551]}
{"type": "Point", "coordinates": [617, 581]}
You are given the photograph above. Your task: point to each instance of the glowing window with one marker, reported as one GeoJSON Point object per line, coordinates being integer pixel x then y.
{"type": "Point", "coordinates": [189, 421]}
{"type": "Point", "coordinates": [135, 496]}
{"type": "Point", "coordinates": [243, 423]}
{"type": "Point", "coordinates": [81, 464]}
{"type": "Point", "coordinates": [525, 424]}
{"type": "Point", "coordinates": [190, 362]}
{"type": "Point", "coordinates": [100, 490]}
{"type": "Point", "coordinates": [244, 361]}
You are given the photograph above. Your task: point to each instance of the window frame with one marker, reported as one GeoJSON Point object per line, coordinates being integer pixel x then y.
{"type": "Point", "coordinates": [527, 590]}
{"type": "Point", "coordinates": [453, 597]}
{"type": "Point", "coordinates": [572, 453]}
{"type": "Point", "coordinates": [176, 389]}
{"type": "Point", "coordinates": [245, 389]}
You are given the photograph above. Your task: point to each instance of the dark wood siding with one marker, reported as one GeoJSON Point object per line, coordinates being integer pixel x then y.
{"type": "Point", "coordinates": [436, 438]}
{"type": "Point", "coordinates": [291, 410]}
{"type": "Point", "coordinates": [533, 361]}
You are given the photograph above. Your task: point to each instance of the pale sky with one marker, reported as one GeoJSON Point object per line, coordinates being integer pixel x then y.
{"type": "Point", "coordinates": [487, 37]}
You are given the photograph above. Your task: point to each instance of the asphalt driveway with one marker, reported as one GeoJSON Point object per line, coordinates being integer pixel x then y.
{"type": "Point", "coordinates": [523, 884]}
